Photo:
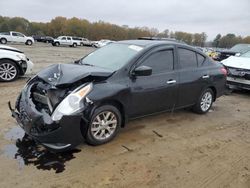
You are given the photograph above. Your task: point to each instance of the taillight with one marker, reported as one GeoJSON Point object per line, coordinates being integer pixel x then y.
{"type": "Point", "coordinates": [223, 71]}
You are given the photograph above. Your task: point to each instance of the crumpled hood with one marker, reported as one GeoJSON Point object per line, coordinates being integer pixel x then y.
{"type": "Point", "coordinates": [237, 62]}
{"type": "Point", "coordinates": [65, 74]}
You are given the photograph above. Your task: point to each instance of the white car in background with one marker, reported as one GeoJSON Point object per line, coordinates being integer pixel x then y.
{"type": "Point", "coordinates": [101, 43]}
{"type": "Point", "coordinates": [13, 63]}
{"type": "Point", "coordinates": [238, 68]}
{"type": "Point", "coordinates": [15, 37]}
{"type": "Point", "coordinates": [66, 41]}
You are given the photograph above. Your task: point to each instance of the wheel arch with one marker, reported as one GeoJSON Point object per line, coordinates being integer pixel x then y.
{"type": "Point", "coordinates": [20, 71]}
{"type": "Point", "coordinates": [4, 38]}
{"type": "Point", "coordinates": [214, 91]}
{"type": "Point", "coordinates": [119, 106]}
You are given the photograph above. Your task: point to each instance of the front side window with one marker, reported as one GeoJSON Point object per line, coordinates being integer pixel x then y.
{"type": "Point", "coordinates": [14, 34]}
{"type": "Point", "coordinates": [187, 58]}
{"type": "Point", "coordinates": [160, 62]}
{"type": "Point", "coordinates": [19, 35]}
{"type": "Point", "coordinates": [63, 38]}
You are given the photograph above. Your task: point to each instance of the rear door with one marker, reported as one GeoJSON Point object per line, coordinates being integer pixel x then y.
{"type": "Point", "coordinates": [157, 92]}
{"type": "Point", "coordinates": [193, 76]}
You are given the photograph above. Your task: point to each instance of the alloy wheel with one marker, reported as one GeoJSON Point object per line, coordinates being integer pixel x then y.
{"type": "Point", "coordinates": [8, 71]}
{"type": "Point", "coordinates": [104, 125]}
{"type": "Point", "coordinates": [206, 101]}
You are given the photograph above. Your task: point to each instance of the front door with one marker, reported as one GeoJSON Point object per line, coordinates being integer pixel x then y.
{"type": "Point", "coordinates": [157, 92]}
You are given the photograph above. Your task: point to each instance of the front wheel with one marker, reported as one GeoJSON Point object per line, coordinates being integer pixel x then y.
{"type": "Point", "coordinates": [105, 124]}
{"type": "Point", "coordinates": [8, 71]}
{"type": "Point", "coordinates": [29, 42]}
{"type": "Point", "coordinates": [205, 102]}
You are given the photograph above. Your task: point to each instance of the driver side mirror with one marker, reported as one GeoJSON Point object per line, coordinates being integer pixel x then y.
{"type": "Point", "coordinates": [142, 71]}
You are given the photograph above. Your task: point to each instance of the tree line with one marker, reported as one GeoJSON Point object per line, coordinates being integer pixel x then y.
{"type": "Point", "coordinates": [229, 40]}
{"type": "Point", "coordinates": [103, 30]}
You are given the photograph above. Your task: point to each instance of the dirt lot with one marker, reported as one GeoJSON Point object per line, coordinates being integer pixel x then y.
{"type": "Point", "coordinates": [179, 149]}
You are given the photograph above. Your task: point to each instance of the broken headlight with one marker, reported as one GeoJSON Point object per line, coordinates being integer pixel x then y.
{"type": "Point", "coordinates": [72, 103]}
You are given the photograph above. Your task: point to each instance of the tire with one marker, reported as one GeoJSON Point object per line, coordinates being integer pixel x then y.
{"type": "Point", "coordinates": [29, 42]}
{"type": "Point", "coordinates": [57, 43]}
{"type": "Point", "coordinates": [204, 102]}
{"type": "Point", "coordinates": [3, 41]}
{"type": "Point", "coordinates": [8, 70]}
{"type": "Point", "coordinates": [99, 131]}
{"type": "Point", "coordinates": [74, 45]}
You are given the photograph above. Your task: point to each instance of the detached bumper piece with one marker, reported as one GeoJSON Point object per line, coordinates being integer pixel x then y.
{"type": "Point", "coordinates": [60, 136]}
{"type": "Point", "coordinates": [238, 79]}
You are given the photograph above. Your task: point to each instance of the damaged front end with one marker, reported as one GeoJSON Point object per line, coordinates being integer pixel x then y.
{"type": "Point", "coordinates": [54, 112]}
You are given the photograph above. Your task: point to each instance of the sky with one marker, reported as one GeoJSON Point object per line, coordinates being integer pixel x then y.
{"type": "Point", "coordinates": [195, 16]}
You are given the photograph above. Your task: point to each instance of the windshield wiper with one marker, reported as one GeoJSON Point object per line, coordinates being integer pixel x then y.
{"type": "Point", "coordinates": [87, 64]}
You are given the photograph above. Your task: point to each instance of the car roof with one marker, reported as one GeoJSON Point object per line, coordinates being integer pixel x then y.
{"type": "Point", "coordinates": [148, 43]}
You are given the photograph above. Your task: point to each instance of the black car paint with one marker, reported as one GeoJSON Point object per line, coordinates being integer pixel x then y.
{"type": "Point", "coordinates": [133, 96]}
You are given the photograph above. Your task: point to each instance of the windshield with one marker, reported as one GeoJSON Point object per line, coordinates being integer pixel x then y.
{"type": "Point", "coordinates": [247, 54]}
{"type": "Point", "coordinates": [113, 56]}
{"type": "Point", "coordinates": [242, 48]}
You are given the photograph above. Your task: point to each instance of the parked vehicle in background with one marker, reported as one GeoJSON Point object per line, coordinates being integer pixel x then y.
{"type": "Point", "coordinates": [47, 39]}
{"type": "Point", "coordinates": [37, 37]}
{"type": "Point", "coordinates": [66, 41]}
{"type": "Point", "coordinates": [238, 49]}
{"type": "Point", "coordinates": [86, 42]}
{"type": "Point", "coordinates": [101, 43]}
{"type": "Point", "coordinates": [15, 37]}
{"type": "Point", "coordinates": [13, 63]}
{"type": "Point", "coordinates": [96, 96]}
{"type": "Point", "coordinates": [238, 71]}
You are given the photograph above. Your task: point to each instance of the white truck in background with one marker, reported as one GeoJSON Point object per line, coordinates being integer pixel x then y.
{"type": "Point", "coordinates": [15, 37]}
{"type": "Point", "coordinates": [66, 41]}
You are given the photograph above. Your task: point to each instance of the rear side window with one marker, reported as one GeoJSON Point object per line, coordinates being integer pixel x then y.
{"type": "Point", "coordinates": [187, 58]}
{"type": "Point", "coordinates": [200, 59]}
{"type": "Point", "coordinates": [68, 38]}
{"type": "Point", "coordinates": [161, 61]}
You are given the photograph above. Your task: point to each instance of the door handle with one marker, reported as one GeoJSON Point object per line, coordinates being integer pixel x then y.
{"type": "Point", "coordinates": [171, 81]}
{"type": "Point", "coordinates": [205, 76]}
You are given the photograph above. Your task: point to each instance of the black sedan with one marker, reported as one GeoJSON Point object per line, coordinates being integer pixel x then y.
{"type": "Point", "coordinates": [92, 99]}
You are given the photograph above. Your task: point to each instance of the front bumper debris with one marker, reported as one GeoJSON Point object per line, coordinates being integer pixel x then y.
{"type": "Point", "coordinates": [61, 135]}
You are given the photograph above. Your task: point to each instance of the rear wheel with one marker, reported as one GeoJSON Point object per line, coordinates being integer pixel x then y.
{"type": "Point", "coordinates": [74, 45]}
{"type": "Point", "coordinates": [3, 41]}
{"type": "Point", "coordinates": [8, 71]}
{"type": "Point", "coordinates": [205, 102]}
{"type": "Point", "coordinates": [105, 124]}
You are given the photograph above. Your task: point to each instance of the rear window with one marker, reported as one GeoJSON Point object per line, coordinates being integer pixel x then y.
{"type": "Point", "coordinates": [187, 58]}
{"type": "Point", "coordinates": [200, 59]}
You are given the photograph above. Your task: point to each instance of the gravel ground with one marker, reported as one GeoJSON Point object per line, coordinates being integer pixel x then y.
{"type": "Point", "coordinates": [179, 149]}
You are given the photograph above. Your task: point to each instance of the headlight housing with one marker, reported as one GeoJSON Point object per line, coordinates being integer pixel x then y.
{"type": "Point", "coordinates": [22, 57]}
{"type": "Point", "coordinates": [72, 103]}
